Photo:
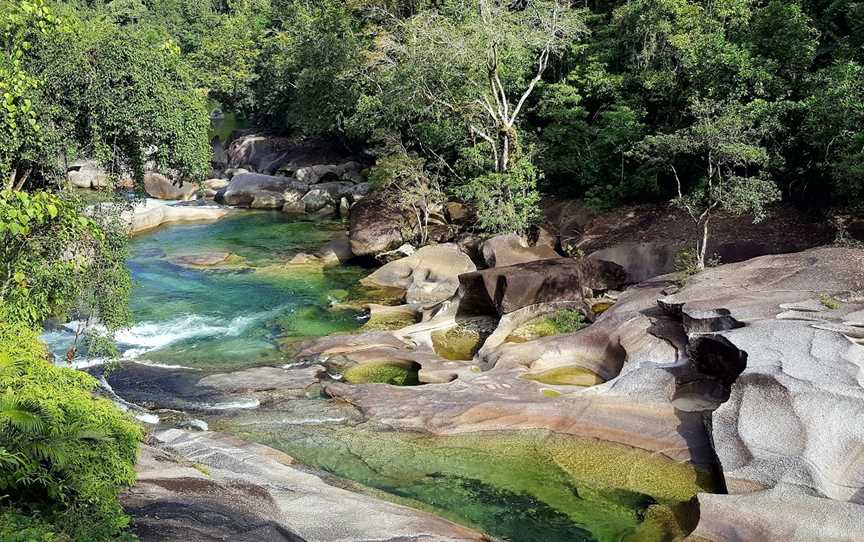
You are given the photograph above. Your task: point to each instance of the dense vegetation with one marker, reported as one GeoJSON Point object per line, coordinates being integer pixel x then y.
{"type": "Point", "coordinates": [721, 105]}
{"type": "Point", "coordinates": [725, 105]}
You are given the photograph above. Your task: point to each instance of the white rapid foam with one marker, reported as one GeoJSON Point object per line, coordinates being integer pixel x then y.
{"type": "Point", "coordinates": [146, 336]}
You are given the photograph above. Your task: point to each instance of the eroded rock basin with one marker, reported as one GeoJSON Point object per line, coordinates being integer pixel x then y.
{"type": "Point", "coordinates": [219, 312]}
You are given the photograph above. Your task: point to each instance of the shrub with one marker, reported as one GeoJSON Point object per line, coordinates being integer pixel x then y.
{"type": "Point", "coordinates": [64, 454]}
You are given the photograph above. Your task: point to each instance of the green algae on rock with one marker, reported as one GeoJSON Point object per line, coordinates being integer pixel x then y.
{"type": "Point", "coordinates": [457, 343]}
{"type": "Point", "coordinates": [566, 376]}
{"type": "Point", "coordinates": [530, 486]}
{"type": "Point", "coordinates": [555, 323]}
{"type": "Point", "coordinates": [382, 373]}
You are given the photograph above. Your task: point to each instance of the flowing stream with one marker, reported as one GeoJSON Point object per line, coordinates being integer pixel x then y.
{"type": "Point", "coordinates": [248, 309]}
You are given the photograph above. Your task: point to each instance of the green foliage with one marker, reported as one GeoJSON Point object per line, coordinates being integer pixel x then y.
{"type": "Point", "coordinates": [568, 320]}
{"type": "Point", "coordinates": [505, 202]}
{"type": "Point", "coordinates": [64, 454]}
{"type": "Point", "coordinates": [76, 85]}
{"type": "Point", "coordinates": [307, 68]}
{"type": "Point", "coordinates": [23, 141]}
{"type": "Point", "coordinates": [54, 259]}
{"type": "Point", "coordinates": [405, 183]}
{"type": "Point", "coordinates": [227, 60]}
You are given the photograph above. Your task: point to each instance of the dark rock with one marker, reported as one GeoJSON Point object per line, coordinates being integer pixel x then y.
{"type": "Point", "coordinates": [503, 290]}
{"type": "Point", "coordinates": [263, 191]}
{"type": "Point", "coordinates": [376, 227]}
{"type": "Point", "coordinates": [268, 154]}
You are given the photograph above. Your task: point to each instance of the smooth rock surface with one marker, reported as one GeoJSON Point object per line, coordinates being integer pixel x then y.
{"type": "Point", "coordinates": [160, 186]}
{"type": "Point", "coordinates": [153, 213]}
{"type": "Point", "coordinates": [376, 227]}
{"type": "Point", "coordinates": [512, 249]}
{"type": "Point", "coordinates": [252, 492]}
{"type": "Point", "coordinates": [792, 419]}
{"type": "Point", "coordinates": [506, 289]}
{"type": "Point", "coordinates": [429, 276]}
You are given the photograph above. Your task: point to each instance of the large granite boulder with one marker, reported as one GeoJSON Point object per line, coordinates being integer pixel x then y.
{"type": "Point", "coordinates": [269, 154]}
{"type": "Point", "coordinates": [429, 276]}
{"type": "Point", "coordinates": [377, 226]}
{"type": "Point", "coordinates": [347, 172]}
{"type": "Point", "coordinates": [159, 186]}
{"type": "Point", "coordinates": [503, 290]}
{"type": "Point", "coordinates": [788, 437]}
{"type": "Point", "coordinates": [512, 249]}
{"type": "Point", "coordinates": [327, 194]}
{"type": "Point", "coordinates": [263, 191]}
{"type": "Point", "coordinates": [248, 492]}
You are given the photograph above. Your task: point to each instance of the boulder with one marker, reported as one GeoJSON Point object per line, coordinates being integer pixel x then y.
{"type": "Point", "coordinates": [263, 191]}
{"type": "Point", "coordinates": [429, 276]}
{"type": "Point", "coordinates": [336, 251]}
{"type": "Point", "coordinates": [269, 154]}
{"type": "Point", "coordinates": [88, 174]}
{"type": "Point", "coordinates": [324, 194]}
{"type": "Point", "coordinates": [360, 191]}
{"type": "Point", "coordinates": [786, 331]}
{"type": "Point", "coordinates": [641, 261]}
{"type": "Point", "coordinates": [503, 290]}
{"type": "Point", "coordinates": [376, 226]}
{"type": "Point", "coordinates": [160, 186]}
{"type": "Point", "coordinates": [207, 259]}
{"type": "Point", "coordinates": [216, 184]}
{"type": "Point", "coordinates": [512, 249]}
{"type": "Point", "coordinates": [153, 213]}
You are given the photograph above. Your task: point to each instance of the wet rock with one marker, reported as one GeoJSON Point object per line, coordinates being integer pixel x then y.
{"type": "Point", "coordinates": [512, 249]}
{"type": "Point", "coordinates": [429, 276]}
{"type": "Point", "coordinates": [336, 251]}
{"type": "Point", "coordinates": [263, 191]}
{"type": "Point", "coordinates": [503, 290]}
{"type": "Point", "coordinates": [264, 379]}
{"type": "Point", "coordinates": [206, 259]}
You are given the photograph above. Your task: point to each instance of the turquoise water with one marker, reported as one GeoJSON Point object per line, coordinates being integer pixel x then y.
{"type": "Point", "coordinates": [245, 311]}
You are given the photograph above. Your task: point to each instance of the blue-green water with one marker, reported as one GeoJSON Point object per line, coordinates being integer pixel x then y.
{"type": "Point", "coordinates": [237, 313]}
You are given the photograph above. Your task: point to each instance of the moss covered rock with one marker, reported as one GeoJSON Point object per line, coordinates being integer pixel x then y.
{"type": "Point", "coordinates": [566, 376]}
{"type": "Point", "coordinates": [382, 373]}
{"type": "Point", "coordinates": [555, 323]}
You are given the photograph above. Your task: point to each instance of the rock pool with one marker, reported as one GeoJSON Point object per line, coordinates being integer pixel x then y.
{"type": "Point", "coordinates": [220, 297]}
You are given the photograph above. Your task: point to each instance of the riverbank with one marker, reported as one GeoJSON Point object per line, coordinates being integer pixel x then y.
{"type": "Point", "coordinates": [507, 435]}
